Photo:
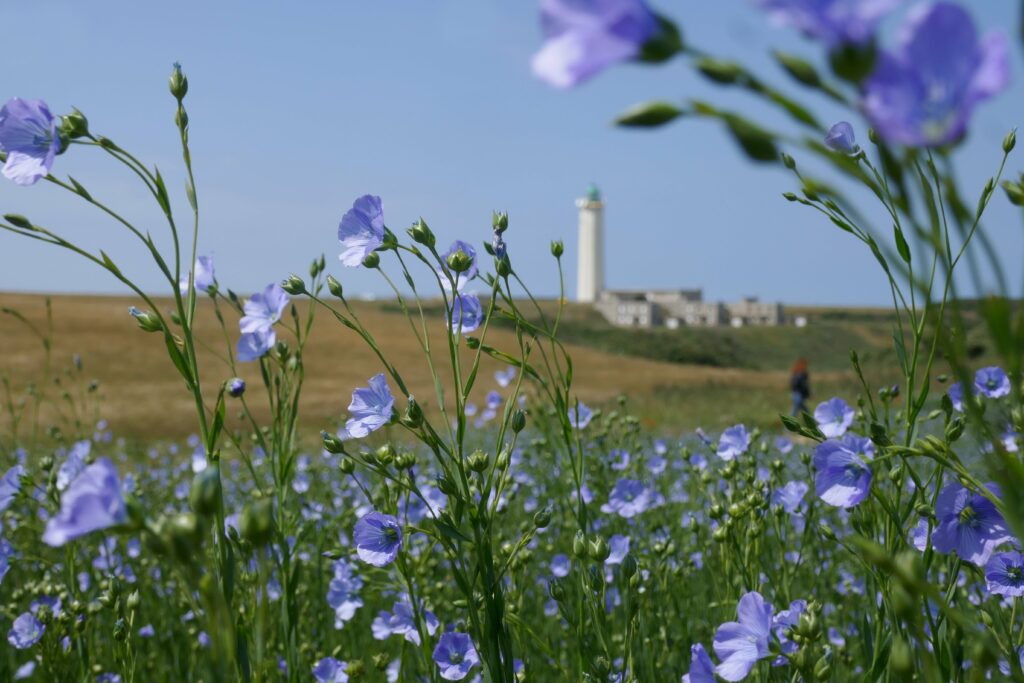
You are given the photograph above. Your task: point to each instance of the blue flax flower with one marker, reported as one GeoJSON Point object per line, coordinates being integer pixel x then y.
{"type": "Point", "coordinates": [92, 502]}
{"type": "Point", "coordinates": [841, 139]}
{"type": "Point", "coordinates": [843, 477]}
{"type": "Point", "coordinates": [968, 523]}
{"type": "Point", "coordinates": [28, 133]}
{"type": "Point", "coordinates": [740, 644]}
{"type": "Point", "coordinates": [455, 655]}
{"type": "Point", "coordinates": [582, 38]}
{"type": "Point", "coordinates": [330, 670]}
{"type": "Point", "coordinates": [361, 230]}
{"type": "Point", "coordinates": [262, 311]}
{"type": "Point", "coordinates": [343, 593]}
{"type": "Point", "coordinates": [834, 417]}
{"type": "Point", "coordinates": [26, 631]}
{"type": "Point", "coordinates": [378, 538]}
{"type": "Point", "coordinates": [733, 443]}
{"type": "Point", "coordinates": [466, 275]}
{"type": "Point", "coordinates": [991, 382]}
{"type": "Point", "coordinates": [10, 485]}
{"type": "Point", "coordinates": [371, 408]}
{"type": "Point", "coordinates": [467, 313]}
{"type": "Point", "coordinates": [628, 499]}
{"type": "Point", "coordinates": [1004, 574]}
{"type": "Point", "coordinates": [702, 669]}
{"type": "Point", "coordinates": [923, 94]}
{"type": "Point", "coordinates": [580, 415]}
{"type": "Point", "coordinates": [204, 275]}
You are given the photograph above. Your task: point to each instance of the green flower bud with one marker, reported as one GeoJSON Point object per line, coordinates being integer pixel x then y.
{"type": "Point", "coordinates": [184, 535]}
{"type": "Point", "coordinates": [518, 421]}
{"type": "Point", "coordinates": [372, 260]}
{"type": "Point", "coordinates": [557, 248]}
{"type": "Point", "coordinates": [478, 461]}
{"type": "Point", "coordinates": [332, 444]}
{"type": "Point", "coordinates": [629, 566]}
{"type": "Point", "coordinates": [421, 234]}
{"type": "Point", "coordinates": [503, 460]}
{"type": "Point", "coordinates": [503, 267]}
{"type": "Point", "coordinates": [459, 261]}
{"type": "Point", "coordinates": [146, 320]}
{"type": "Point", "coordinates": [178, 84]}
{"type": "Point", "coordinates": [120, 630]}
{"type": "Point", "coordinates": [901, 659]}
{"type": "Point", "coordinates": [256, 522]}
{"type": "Point", "coordinates": [346, 466]}
{"type": "Point", "coordinates": [499, 221]}
{"type": "Point", "coordinates": [599, 550]}
{"type": "Point", "coordinates": [542, 518]}
{"type": "Point", "coordinates": [74, 125]}
{"type": "Point", "coordinates": [294, 285]}
{"type": "Point", "coordinates": [413, 416]}
{"type": "Point", "coordinates": [205, 495]}
{"type": "Point", "coordinates": [1010, 141]}
{"type": "Point", "coordinates": [579, 545]}
{"type": "Point", "coordinates": [334, 287]}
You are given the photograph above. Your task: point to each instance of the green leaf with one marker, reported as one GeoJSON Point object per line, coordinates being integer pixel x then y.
{"type": "Point", "coordinates": [665, 45]}
{"type": "Point", "coordinates": [161, 193]}
{"type": "Point", "coordinates": [178, 359]}
{"type": "Point", "coordinates": [901, 351]}
{"type": "Point", "coordinates": [756, 142]}
{"type": "Point", "coordinates": [901, 244]}
{"type": "Point", "coordinates": [82, 192]}
{"type": "Point", "coordinates": [109, 263]}
{"type": "Point", "coordinates": [649, 115]}
{"type": "Point", "coordinates": [190, 192]}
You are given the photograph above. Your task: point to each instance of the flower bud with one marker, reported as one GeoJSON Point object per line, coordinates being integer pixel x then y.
{"type": "Point", "coordinates": [236, 387]}
{"type": "Point", "coordinates": [413, 416]}
{"type": "Point", "coordinates": [459, 261]}
{"type": "Point", "coordinates": [557, 248]}
{"type": "Point", "coordinates": [446, 486]}
{"type": "Point", "coordinates": [74, 125]}
{"type": "Point", "coordinates": [294, 285]}
{"type": "Point", "coordinates": [184, 535]}
{"type": "Point", "coordinates": [1010, 141]}
{"type": "Point", "coordinates": [478, 461]}
{"type": "Point", "coordinates": [334, 287]}
{"type": "Point", "coordinates": [178, 84]}
{"type": "Point", "coordinates": [205, 495]}
{"type": "Point", "coordinates": [579, 545]}
{"type": "Point", "coordinates": [629, 566]}
{"type": "Point", "coordinates": [346, 466]}
{"type": "Point", "coordinates": [518, 421]}
{"type": "Point", "coordinates": [332, 444]}
{"type": "Point", "coordinates": [503, 459]}
{"type": "Point", "coordinates": [420, 233]}
{"type": "Point", "coordinates": [372, 260]}
{"type": "Point", "coordinates": [542, 518]}
{"type": "Point", "coordinates": [146, 320]}
{"type": "Point", "coordinates": [503, 267]}
{"type": "Point", "coordinates": [256, 522]}
{"type": "Point", "coordinates": [599, 550]}
{"type": "Point", "coordinates": [499, 221]}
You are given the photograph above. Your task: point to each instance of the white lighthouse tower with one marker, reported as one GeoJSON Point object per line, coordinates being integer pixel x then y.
{"type": "Point", "coordinates": [590, 270]}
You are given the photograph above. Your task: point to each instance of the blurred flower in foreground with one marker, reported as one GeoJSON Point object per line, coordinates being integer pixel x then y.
{"type": "Point", "coordinates": [702, 669]}
{"type": "Point", "coordinates": [968, 523]}
{"type": "Point", "coordinates": [840, 139]}
{"type": "Point", "coordinates": [361, 230]}
{"type": "Point", "coordinates": [28, 133]}
{"type": "Point", "coordinates": [204, 275]}
{"type": "Point", "coordinates": [834, 22]}
{"type": "Point", "coordinates": [584, 38]}
{"type": "Point", "coordinates": [580, 415]}
{"type": "Point", "coordinates": [92, 502]}
{"type": "Point", "coordinates": [923, 93]}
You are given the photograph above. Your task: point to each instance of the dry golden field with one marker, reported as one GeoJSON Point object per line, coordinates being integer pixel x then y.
{"type": "Point", "coordinates": [141, 395]}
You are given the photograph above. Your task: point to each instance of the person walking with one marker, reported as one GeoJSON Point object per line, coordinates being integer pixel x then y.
{"type": "Point", "coordinates": [799, 386]}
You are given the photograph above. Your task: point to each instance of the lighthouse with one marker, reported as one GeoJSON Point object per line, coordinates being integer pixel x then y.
{"type": "Point", "coordinates": [590, 268]}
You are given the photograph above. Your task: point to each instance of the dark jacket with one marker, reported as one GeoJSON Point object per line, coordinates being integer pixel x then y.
{"type": "Point", "coordinates": [800, 383]}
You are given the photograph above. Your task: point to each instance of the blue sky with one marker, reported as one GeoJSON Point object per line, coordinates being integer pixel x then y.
{"type": "Point", "coordinates": [298, 108]}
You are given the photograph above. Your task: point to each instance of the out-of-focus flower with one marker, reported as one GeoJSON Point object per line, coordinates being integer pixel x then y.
{"type": "Point", "coordinates": [733, 443]}
{"type": "Point", "coordinates": [790, 496]}
{"type": "Point", "coordinates": [584, 38]}
{"type": "Point", "coordinates": [26, 631]}
{"type": "Point", "coordinates": [10, 484]}
{"type": "Point", "coordinates": [361, 230]}
{"type": "Point", "coordinates": [923, 94]}
{"type": "Point", "coordinates": [378, 538]}
{"type": "Point", "coordinates": [236, 387]}
{"type": "Point", "coordinates": [204, 275]}
{"type": "Point", "coordinates": [843, 477]}
{"type": "Point", "coordinates": [702, 669]}
{"type": "Point", "coordinates": [467, 313]}
{"type": "Point", "coordinates": [834, 22]}
{"type": "Point", "coordinates": [92, 502]}
{"type": "Point", "coordinates": [28, 133]}
{"type": "Point", "coordinates": [628, 498]}
{"type": "Point", "coordinates": [580, 415]}
{"type": "Point", "coordinates": [834, 417]}
{"type": "Point", "coordinates": [343, 593]}
{"type": "Point", "coordinates": [991, 382]}
{"type": "Point", "coordinates": [330, 670]}
{"type": "Point", "coordinates": [455, 655]}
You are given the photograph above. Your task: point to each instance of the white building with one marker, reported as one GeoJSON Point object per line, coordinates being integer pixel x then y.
{"type": "Point", "coordinates": [653, 308]}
